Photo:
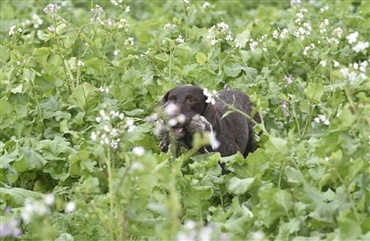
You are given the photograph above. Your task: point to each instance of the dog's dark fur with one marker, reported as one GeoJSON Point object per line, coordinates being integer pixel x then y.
{"type": "Point", "coordinates": [234, 132]}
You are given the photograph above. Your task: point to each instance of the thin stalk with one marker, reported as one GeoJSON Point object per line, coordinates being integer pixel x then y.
{"type": "Point", "coordinates": [111, 193]}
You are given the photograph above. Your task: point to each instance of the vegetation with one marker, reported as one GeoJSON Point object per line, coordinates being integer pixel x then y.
{"type": "Point", "coordinates": [78, 157]}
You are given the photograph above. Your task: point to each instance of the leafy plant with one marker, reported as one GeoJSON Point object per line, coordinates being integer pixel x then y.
{"type": "Point", "coordinates": [79, 159]}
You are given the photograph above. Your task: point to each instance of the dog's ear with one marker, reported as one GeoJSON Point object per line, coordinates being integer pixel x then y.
{"type": "Point", "coordinates": [164, 100]}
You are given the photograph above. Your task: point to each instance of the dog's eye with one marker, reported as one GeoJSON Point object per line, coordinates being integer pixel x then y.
{"type": "Point", "coordinates": [171, 98]}
{"type": "Point", "coordinates": [191, 100]}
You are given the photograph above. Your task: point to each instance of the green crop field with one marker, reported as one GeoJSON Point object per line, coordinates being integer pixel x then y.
{"type": "Point", "coordinates": [80, 79]}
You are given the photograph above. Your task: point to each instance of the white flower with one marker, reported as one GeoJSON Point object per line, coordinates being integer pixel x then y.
{"type": "Point", "coordinates": [127, 9]}
{"type": "Point", "coordinates": [363, 66]}
{"type": "Point", "coordinates": [252, 44]}
{"type": "Point", "coordinates": [171, 109]}
{"type": "Point", "coordinates": [172, 122]}
{"type": "Point", "coordinates": [12, 30]}
{"type": "Point", "coordinates": [288, 79]}
{"type": "Point", "coordinates": [295, 2]}
{"type": "Point", "coordinates": [229, 37]}
{"type": "Point", "coordinates": [284, 33]}
{"type": "Point", "coordinates": [336, 64]}
{"type": "Point", "coordinates": [70, 207]}
{"type": "Point", "coordinates": [179, 39]}
{"type": "Point", "coordinates": [129, 41]}
{"type": "Point", "coordinates": [169, 26]}
{"type": "Point", "coordinates": [49, 199]}
{"type": "Point", "coordinates": [137, 166]}
{"type": "Point", "coordinates": [51, 8]}
{"type": "Point", "coordinates": [181, 118]}
{"type": "Point", "coordinates": [352, 38]}
{"type": "Point", "coordinates": [114, 143]}
{"type": "Point", "coordinates": [275, 34]}
{"type": "Point", "coordinates": [323, 63]}
{"type": "Point", "coordinates": [101, 89]}
{"type": "Point", "coordinates": [210, 96]}
{"type": "Point", "coordinates": [206, 5]}
{"type": "Point", "coordinates": [213, 42]}
{"type": "Point", "coordinates": [323, 119]}
{"type": "Point", "coordinates": [138, 150]}
{"type": "Point", "coordinates": [215, 144]}
{"type": "Point", "coordinates": [338, 32]}
{"type": "Point", "coordinates": [131, 125]}
{"type": "Point", "coordinates": [324, 9]}
{"type": "Point", "coordinates": [80, 63]}
{"type": "Point", "coordinates": [360, 46]}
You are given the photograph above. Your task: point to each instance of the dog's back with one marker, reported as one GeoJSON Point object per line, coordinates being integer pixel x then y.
{"type": "Point", "coordinates": [235, 131]}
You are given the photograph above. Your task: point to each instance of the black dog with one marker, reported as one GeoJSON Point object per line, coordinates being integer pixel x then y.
{"type": "Point", "coordinates": [188, 104]}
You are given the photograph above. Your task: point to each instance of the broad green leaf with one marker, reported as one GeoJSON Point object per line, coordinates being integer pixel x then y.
{"type": "Point", "coordinates": [293, 175]}
{"type": "Point", "coordinates": [41, 55]}
{"type": "Point", "coordinates": [284, 199]}
{"type": "Point", "coordinates": [61, 29]}
{"type": "Point", "coordinates": [85, 97]}
{"type": "Point", "coordinates": [349, 229]}
{"type": "Point", "coordinates": [239, 186]}
{"type": "Point", "coordinates": [16, 196]}
{"type": "Point", "coordinates": [162, 57]}
{"type": "Point", "coordinates": [35, 160]}
{"type": "Point", "coordinates": [314, 91]}
{"type": "Point", "coordinates": [201, 58]}
{"type": "Point", "coordinates": [232, 70]}
{"type": "Point", "coordinates": [49, 107]}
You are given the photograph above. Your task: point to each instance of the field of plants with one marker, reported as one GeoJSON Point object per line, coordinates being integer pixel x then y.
{"type": "Point", "coordinates": [80, 80]}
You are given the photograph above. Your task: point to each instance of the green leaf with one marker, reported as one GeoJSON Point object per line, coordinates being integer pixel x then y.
{"type": "Point", "coordinates": [348, 229]}
{"type": "Point", "coordinates": [84, 96]}
{"type": "Point", "coordinates": [314, 91]}
{"type": "Point", "coordinates": [239, 186]}
{"type": "Point", "coordinates": [61, 29]}
{"type": "Point", "coordinates": [201, 58]}
{"type": "Point", "coordinates": [162, 57]}
{"type": "Point", "coordinates": [284, 199]}
{"type": "Point", "coordinates": [49, 107]}
{"type": "Point", "coordinates": [41, 55]}
{"type": "Point", "coordinates": [16, 196]}
{"type": "Point", "coordinates": [35, 160]}
{"type": "Point", "coordinates": [293, 175]}
{"type": "Point", "coordinates": [232, 70]}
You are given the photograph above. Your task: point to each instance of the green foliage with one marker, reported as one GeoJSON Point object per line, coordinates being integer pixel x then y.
{"type": "Point", "coordinates": [79, 80]}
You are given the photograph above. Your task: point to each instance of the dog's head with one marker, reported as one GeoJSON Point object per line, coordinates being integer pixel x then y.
{"type": "Point", "coordinates": [185, 100]}
{"type": "Point", "coordinates": [182, 104]}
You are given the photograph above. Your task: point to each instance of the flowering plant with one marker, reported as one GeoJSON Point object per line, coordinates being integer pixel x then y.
{"type": "Point", "coordinates": [79, 160]}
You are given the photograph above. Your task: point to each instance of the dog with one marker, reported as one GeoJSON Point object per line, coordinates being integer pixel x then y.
{"type": "Point", "coordinates": [188, 110]}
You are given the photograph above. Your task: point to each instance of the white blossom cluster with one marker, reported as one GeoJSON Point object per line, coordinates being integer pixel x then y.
{"type": "Point", "coordinates": [13, 29]}
{"type": "Point", "coordinates": [280, 33]}
{"type": "Point", "coordinates": [36, 207]}
{"type": "Point", "coordinates": [119, 2]}
{"type": "Point", "coordinates": [359, 46]}
{"type": "Point", "coordinates": [191, 232]}
{"type": "Point", "coordinates": [304, 28]}
{"type": "Point", "coordinates": [355, 72]}
{"type": "Point", "coordinates": [253, 44]}
{"type": "Point", "coordinates": [210, 96]}
{"type": "Point", "coordinates": [169, 26]}
{"type": "Point", "coordinates": [322, 119]}
{"type": "Point", "coordinates": [107, 135]}
{"type": "Point", "coordinates": [51, 8]}
{"type": "Point", "coordinates": [220, 32]}
{"type": "Point", "coordinates": [174, 117]}
{"type": "Point", "coordinates": [98, 10]}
